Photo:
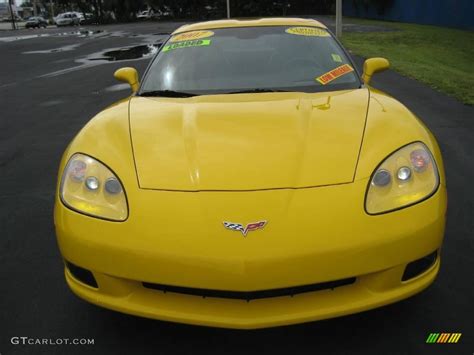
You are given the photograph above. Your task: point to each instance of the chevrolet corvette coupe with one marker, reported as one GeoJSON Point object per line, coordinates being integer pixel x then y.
{"type": "Point", "coordinates": [252, 179]}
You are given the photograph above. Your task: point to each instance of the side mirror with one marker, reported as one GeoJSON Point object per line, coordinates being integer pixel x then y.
{"type": "Point", "coordinates": [372, 66]}
{"type": "Point", "coordinates": [128, 75]}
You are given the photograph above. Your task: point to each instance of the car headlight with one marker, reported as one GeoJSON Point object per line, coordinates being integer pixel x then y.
{"type": "Point", "coordinates": [406, 177]}
{"type": "Point", "coordinates": [89, 187]}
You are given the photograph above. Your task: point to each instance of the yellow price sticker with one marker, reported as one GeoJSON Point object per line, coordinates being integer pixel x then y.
{"type": "Point", "coordinates": [308, 31]}
{"type": "Point", "coordinates": [191, 36]}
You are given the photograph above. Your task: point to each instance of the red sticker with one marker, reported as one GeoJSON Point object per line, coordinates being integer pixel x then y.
{"type": "Point", "coordinates": [334, 74]}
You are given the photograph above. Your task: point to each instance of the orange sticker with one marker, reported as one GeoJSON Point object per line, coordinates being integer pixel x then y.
{"type": "Point", "coordinates": [334, 74]}
{"type": "Point", "coordinates": [191, 36]}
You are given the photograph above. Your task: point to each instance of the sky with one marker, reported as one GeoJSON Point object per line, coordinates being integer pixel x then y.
{"type": "Point", "coordinates": [18, 2]}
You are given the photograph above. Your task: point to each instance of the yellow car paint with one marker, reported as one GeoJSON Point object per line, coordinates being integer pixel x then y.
{"type": "Point", "coordinates": [209, 25]}
{"type": "Point", "coordinates": [312, 198]}
{"type": "Point", "coordinates": [128, 75]}
{"type": "Point", "coordinates": [274, 140]}
{"type": "Point", "coordinates": [372, 66]}
{"type": "Point", "coordinates": [373, 290]}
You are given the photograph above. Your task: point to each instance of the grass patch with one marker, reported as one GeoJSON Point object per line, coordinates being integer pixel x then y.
{"type": "Point", "coordinates": [438, 56]}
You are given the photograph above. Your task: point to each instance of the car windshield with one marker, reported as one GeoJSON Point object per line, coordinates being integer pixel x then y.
{"type": "Point", "coordinates": [265, 58]}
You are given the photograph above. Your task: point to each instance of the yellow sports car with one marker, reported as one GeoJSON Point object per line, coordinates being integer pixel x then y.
{"type": "Point", "coordinates": [252, 179]}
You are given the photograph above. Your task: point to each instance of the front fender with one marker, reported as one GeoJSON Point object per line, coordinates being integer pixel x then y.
{"type": "Point", "coordinates": [390, 125]}
{"type": "Point", "coordinates": [106, 137]}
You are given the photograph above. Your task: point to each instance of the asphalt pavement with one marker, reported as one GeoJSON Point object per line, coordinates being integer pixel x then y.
{"type": "Point", "coordinates": [52, 82]}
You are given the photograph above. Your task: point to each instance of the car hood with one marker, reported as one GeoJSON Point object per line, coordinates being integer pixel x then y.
{"type": "Point", "coordinates": [247, 141]}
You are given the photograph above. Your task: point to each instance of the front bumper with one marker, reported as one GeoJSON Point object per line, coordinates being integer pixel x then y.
{"type": "Point", "coordinates": [370, 291]}
{"type": "Point", "coordinates": [312, 236]}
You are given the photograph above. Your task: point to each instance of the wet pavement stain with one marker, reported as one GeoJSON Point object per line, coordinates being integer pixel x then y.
{"type": "Point", "coordinates": [67, 48]}
{"type": "Point", "coordinates": [51, 103]}
{"type": "Point", "coordinates": [79, 33]}
{"type": "Point", "coordinates": [117, 87]}
{"type": "Point", "coordinates": [149, 46]}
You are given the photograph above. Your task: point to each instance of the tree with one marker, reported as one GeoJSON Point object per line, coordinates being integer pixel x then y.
{"type": "Point", "coordinates": [125, 10]}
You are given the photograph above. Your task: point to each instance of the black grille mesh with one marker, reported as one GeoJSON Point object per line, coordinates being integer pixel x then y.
{"type": "Point", "coordinates": [251, 295]}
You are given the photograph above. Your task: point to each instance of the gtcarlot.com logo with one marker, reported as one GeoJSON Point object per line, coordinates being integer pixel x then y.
{"type": "Point", "coordinates": [440, 338]}
{"type": "Point", "coordinates": [51, 341]}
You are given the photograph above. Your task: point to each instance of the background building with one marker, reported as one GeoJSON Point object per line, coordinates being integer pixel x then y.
{"type": "Point", "coordinates": [5, 10]}
{"type": "Point", "coordinates": [450, 13]}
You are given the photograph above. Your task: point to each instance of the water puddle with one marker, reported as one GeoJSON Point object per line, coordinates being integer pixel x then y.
{"type": "Point", "coordinates": [87, 33]}
{"type": "Point", "coordinates": [128, 53]}
{"type": "Point", "coordinates": [145, 49]}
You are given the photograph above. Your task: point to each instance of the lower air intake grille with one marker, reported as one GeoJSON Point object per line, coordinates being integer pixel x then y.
{"type": "Point", "coordinates": [419, 266]}
{"type": "Point", "coordinates": [252, 295]}
{"type": "Point", "coordinates": [81, 274]}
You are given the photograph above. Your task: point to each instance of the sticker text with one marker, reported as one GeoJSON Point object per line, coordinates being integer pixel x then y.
{"type": "Point", "coordinates": [334, 74]}
{"type": "Point", "coordinates": [186, 44]}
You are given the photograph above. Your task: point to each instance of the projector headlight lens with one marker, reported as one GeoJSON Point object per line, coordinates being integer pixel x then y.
{"type": "Point", "coordinates": [381, 178]}
{"type": "Point", "coordinates": [89, 187]}
{"type": "Point", "coordinates": [416, 179]}
{"type": "Point", "coordinates": [112, 186]}
{"type": "Point", "coordinates": [404, 173]}
{"type": "Point", "coordinates": [92, 183]}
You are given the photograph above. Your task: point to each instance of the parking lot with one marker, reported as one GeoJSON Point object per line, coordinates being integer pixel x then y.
{"type": "Point", "coordinates": [52, 81]}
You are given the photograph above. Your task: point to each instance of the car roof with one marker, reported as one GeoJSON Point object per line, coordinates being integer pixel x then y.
{"type": "Point", "coordinates": [272, 21]}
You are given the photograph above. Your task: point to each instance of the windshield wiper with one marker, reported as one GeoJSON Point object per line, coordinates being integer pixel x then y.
{"type": "Point", "coordinates": [256, 91]}
{"type": "Point", "coordinates": [167, 93]}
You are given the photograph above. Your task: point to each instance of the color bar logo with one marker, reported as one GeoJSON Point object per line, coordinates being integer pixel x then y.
{"type": "Point", "coordinates": [443, 337]}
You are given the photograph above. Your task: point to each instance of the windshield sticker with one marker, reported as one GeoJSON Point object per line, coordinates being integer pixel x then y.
{"type": "Point", "coordinates": [334, 74]}
{"type": "Point", "coordinates": [336, 58]}
{"type": "Point", "coordinates": [190, 36]}
{"type": "Point", "coordinates": [186, 44]}
{"type": "Point", "coordinates": [308, 31]}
